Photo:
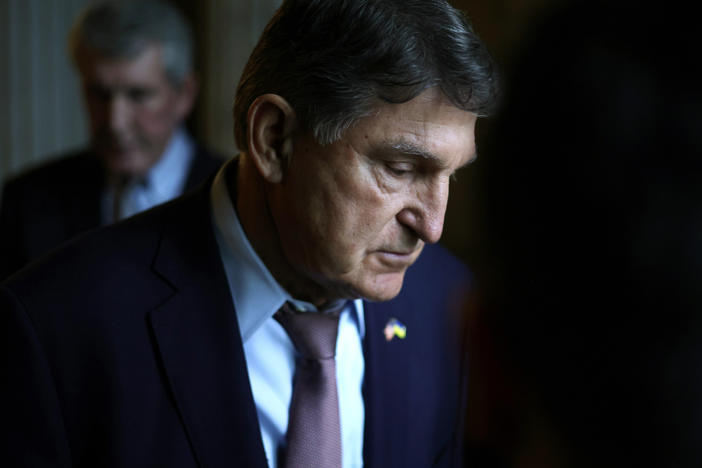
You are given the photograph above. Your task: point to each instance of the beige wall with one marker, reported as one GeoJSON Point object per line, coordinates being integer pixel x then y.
{"type": "Point", "coordinates": [40, 113]}
{"type": "Point", "coordinates": [233, 28]}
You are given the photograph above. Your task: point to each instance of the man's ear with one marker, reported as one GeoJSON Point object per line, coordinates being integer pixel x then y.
{"type": "Point", "coordinates": [270, 125]}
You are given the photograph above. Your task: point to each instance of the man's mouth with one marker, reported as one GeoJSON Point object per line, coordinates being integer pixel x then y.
{"type": "Point", "coordinates": [397, 258]}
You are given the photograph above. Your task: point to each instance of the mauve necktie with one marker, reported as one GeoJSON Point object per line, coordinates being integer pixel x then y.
{"type": "Point", "coordinates": [314, 430]}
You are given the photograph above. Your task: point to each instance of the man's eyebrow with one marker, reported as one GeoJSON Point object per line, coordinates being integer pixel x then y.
{"type": "Point", "coordinates": [408, 148]}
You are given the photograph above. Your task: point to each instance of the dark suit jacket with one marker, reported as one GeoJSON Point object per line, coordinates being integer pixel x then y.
{"type": "Point", "coordinates": [47, 206]}
{"type": "Point", "coordinates": [123, 350]}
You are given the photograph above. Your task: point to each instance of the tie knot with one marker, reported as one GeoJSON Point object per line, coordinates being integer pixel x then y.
{"type": "Point", "coordinates": [312, 333]}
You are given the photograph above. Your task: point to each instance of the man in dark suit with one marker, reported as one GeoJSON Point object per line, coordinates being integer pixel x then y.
{"type": "Point", "coordinates": [135, 63]}
{"type": "Point", "coordinates": [169, 339]}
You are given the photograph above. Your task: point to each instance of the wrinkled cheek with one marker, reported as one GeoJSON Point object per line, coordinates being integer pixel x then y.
{"type": "Point", "coordinates": [303, 248]}
{"type": "Point", "coordinates": [333, 257]}
{"type": "Point", "coordinates": [335, 254]}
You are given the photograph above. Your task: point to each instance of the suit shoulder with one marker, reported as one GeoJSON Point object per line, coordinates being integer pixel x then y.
{"type": "Point", "coordinates": [58, 171]}
{"type": "Point", "coordinates": [113, 251]}
{"type": "Point", "coordinates": [209, 156]}
{"type": "Point", "coordinates": [436, 280]}
{"type": "Point", "coordinates": [438, 263]}
{"type": "Point", "coordinates": [105, 269]}
{"type": "Point", "coordinates": [204, 165]}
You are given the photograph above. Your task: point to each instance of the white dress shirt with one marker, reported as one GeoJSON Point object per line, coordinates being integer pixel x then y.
{"type": "Point", "coordinates": [163, 182]}
{"type": "Point", "coordinates": [270, 355]}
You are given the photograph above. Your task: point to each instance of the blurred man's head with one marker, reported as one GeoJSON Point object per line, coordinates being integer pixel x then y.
{"type": "Point", "coordinates": [135, 62]}
{"type": "Point", "coordinates": [355, 115]}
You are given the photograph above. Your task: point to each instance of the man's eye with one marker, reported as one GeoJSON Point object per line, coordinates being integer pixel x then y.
{"type": "Point", "coordinates": [139, 94]}
{"type": "Point", "coordinates": [399, 169]}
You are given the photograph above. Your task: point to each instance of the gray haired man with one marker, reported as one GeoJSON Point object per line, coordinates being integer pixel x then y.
{"type": "Point", "coordinates": [135, 63]}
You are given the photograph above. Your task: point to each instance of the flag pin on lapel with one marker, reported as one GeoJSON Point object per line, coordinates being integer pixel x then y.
{"type": "Point", "coordinates": [394, 328]}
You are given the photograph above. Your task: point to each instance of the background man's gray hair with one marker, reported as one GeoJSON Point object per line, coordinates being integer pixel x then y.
{"type": "Point", "coordinates": [123, 29]}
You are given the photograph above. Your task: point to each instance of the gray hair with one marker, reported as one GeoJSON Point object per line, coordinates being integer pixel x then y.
{"type": "Point", "coordinates": [336, 61]}
{"type": "Point", "coordinates": [123, 29]}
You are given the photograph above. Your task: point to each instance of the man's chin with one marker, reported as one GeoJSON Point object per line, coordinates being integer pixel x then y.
{"type": "Point", "coordinates": [127, 163]}
{"type": "Point", "coordinates": [383, 287]}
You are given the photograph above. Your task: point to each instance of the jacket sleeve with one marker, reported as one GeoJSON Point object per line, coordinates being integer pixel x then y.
{"type": "Point", "coordinates": [10, 258]}
{"type": "Point", "coordinates": [33, 432]}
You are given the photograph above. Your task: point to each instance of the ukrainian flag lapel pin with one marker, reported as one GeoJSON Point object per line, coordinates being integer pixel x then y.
{"type": "Point", "coordinates": [394, 328]}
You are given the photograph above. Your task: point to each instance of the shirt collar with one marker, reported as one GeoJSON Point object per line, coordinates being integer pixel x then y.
{"type": "Point", "coordinates": [256, 294]}
{"type": "Point", "coordinates": [168, 176]}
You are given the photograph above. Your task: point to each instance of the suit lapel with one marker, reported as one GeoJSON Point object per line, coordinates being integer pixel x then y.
{"type": "Point", "coordinates": [386, 386]}
{"type": "Point", "coordinates": [198, 339]}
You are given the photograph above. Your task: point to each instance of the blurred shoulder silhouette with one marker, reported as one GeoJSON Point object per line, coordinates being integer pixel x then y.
{"type": "Point", "coordinates": [593, 212]}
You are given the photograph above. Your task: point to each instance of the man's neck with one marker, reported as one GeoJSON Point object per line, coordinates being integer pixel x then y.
{"type": "Point", "coordinates": [254, 214]}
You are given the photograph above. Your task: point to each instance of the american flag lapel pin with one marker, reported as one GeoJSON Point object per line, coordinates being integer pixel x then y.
{"type": "Point", "coordinates": [394, 328]}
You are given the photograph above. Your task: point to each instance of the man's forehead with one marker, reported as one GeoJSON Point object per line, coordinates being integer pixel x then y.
{"type": "Point", "coordinates": [424, 127]}
{"type": "Point", "coordinates": [124, 48]}
{"type": "Point", "coordinates": [145, 66]}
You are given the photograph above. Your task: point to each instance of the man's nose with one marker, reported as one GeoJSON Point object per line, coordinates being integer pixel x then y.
{"type": "Point", "coordinates": [119, 111]}
{"type": "Point", "coordinates": [425, 214]}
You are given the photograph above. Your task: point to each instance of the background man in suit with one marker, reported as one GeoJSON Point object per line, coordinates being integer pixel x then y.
{"type": "Point", "coordinates": [135, 63]}
{"type": "Point", "coordinates": [163, 345]}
